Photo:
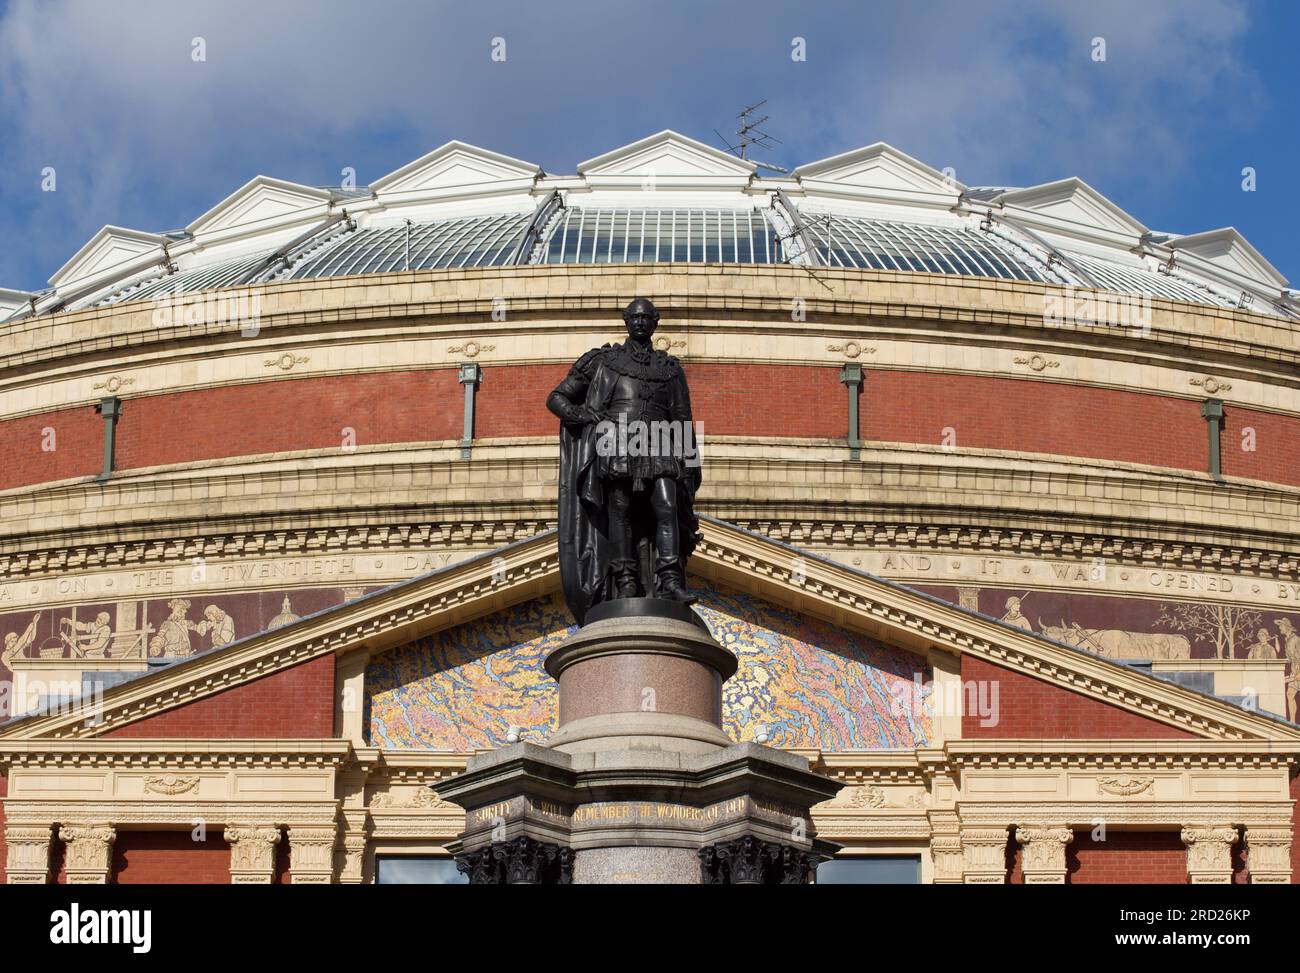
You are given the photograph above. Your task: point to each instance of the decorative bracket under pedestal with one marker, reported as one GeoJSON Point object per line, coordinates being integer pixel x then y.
{"type": "Point", "coordinates": [520, 861]}
{"type": "Point", "coordinates": [750, 861]}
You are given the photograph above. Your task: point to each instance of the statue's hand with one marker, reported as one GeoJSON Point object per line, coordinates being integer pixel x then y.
{"type": "Point", "coordinates": [587, 415]}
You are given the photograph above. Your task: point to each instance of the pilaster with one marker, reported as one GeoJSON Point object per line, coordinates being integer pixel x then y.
{"type": "Point", "coordinates": [252, 853]}
{"type": "Point", "coordinates": [89, 852]}
{"type": "Point", "coordinates": [984, 856]}
{"type": "Point", "coordinates": [311, 854]}
{"type": "Point", "coordinates": [1268, 855]}
{"type": "Point", "coordinates": [1042, 860]}
{"type": "Point", "coordinates": [28, 860]}
{"type": "Point", "coordinates": [1209, 853]}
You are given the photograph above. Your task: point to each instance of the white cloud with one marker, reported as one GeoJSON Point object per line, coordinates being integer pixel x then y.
{"type": "Point", "coordinates": [142, 135]}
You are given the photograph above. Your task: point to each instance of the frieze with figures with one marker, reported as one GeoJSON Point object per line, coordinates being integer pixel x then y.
{"type": "Point", "coordinates": [140, 629]}
{"type": "Point", "coordinates": [1144, 628]}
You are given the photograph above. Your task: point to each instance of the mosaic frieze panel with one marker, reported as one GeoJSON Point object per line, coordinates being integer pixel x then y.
{"type": "Point", "coordinates": [800, 682]}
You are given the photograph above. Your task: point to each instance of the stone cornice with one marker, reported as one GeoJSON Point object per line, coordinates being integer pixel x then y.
{"type": "Point", "coordinates": [1128, 754]}
{"type": "Point", "coordinates": [459, 297]}
{"type": "Point", "coordinates": [900, 497]}
{"type": "Point", "coordinates": [140, 752]}
{"type": "Point", "coordinates": [1086, 814]}
{"type": "Point", "coordinates": [153, 813]}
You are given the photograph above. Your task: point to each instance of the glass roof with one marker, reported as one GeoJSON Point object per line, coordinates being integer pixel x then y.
{"type": "Point", "coordinates": [845, 241]}
{"type": "Point", "coordinates": [1134, 280]}
{"type": "Point", "coordinates": [580, 235]}
{"type": "Point", "coordinates": [224, 274]}
{"type": "Point", "coordinates": [482, 241]}
{"type": "Point", "coordinates": [584, 236]}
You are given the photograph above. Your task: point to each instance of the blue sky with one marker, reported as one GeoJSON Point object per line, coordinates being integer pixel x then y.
{"type": "Point", "coordinates": [1007, 93]}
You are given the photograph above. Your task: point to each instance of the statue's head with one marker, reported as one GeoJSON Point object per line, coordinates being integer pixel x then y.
{"type": "Point", "coordinates": [641, 319]}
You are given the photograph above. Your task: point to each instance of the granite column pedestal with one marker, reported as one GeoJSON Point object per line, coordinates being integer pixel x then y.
{"type": "Point", "coordinates": [639, 784]}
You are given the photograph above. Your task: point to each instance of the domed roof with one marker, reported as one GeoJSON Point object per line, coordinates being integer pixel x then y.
{"type": "Point", "coordinates": [286, 616]}
{"type": "Point", "coordinates": [666, 198]}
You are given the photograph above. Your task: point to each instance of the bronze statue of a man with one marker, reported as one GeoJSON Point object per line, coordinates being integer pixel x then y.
{"type": "Point", "coordinates": [629, 470]}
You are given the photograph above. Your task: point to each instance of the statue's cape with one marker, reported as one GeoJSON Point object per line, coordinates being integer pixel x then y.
{"type": "Point", "coordinates": [585, 577]}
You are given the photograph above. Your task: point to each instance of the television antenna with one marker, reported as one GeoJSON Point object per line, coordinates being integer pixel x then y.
{"type": "Point", "coordinates": [749, 134]}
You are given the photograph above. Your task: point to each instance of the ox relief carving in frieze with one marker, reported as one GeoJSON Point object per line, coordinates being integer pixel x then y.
{"type": "Point", "coordinates": [1147, 628]}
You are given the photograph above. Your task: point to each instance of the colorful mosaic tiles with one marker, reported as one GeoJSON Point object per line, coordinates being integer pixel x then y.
{"type": "Point", "coordinates": [464, 688]}
{"type": "Point", "coordinates": [810, 684]}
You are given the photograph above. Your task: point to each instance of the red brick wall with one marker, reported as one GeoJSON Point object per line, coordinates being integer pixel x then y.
{"type": "Point", "coordinates": [78, 447]}
{"type": "Point", "coordinates": [511, 401]}
{"type": "Point", "coordinates": [305, 413]}
{"type": "Point", "coordinates": [170, 858]}
{"type": "Point", "coordinates": [770, 400]}
{"type": "Point", "coordinates": [1126, 858]}
{"type": "Point", "coordinates": [1030, 708]}
{"type": "Point", "coordinates": [766, 400]}
{"type": "Point", "coordinates": [1275, 440]}
{"type": "Point", "coordinates": [296, 702]}
{"type": "Point", "coordinates": [1035, 417]}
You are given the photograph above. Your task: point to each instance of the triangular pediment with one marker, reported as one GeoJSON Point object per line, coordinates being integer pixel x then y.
{"type": "Point", "coordinates": [262, 203]}
{"type": "Point", "coordinates": [671, 159]}
{"type": "Point", "coordinates": [1232, 253]}
{"type": "Point", "coordinates": [112, 249]}
{"type": "Point", "coordinates": [11, 300]}
{"type": "Point", "coordinates": [894, 615]}
{"type": "Point", "coordinates": [458, 169]}
{"type": "Point", "coordinates": [1073, 208]}
{"type": "Point", "coordinates": [878, 171]}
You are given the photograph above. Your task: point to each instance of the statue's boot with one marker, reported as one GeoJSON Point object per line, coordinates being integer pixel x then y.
{"type": "Point", "coordinates": [627, 584]}
{"type": "Point", "coordinates": [669, 581]}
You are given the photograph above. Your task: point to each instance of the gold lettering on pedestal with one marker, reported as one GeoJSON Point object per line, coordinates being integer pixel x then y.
{"type": "Point", "coordinates": [548, 808]}
{"type": "Point", "coordinates": [492, 812]}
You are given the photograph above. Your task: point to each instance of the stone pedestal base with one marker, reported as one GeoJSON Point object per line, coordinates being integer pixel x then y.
{"type": "Point", "coordinates": [639, 784]}
{"type": "Point", "coordinates": [738, 815]}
